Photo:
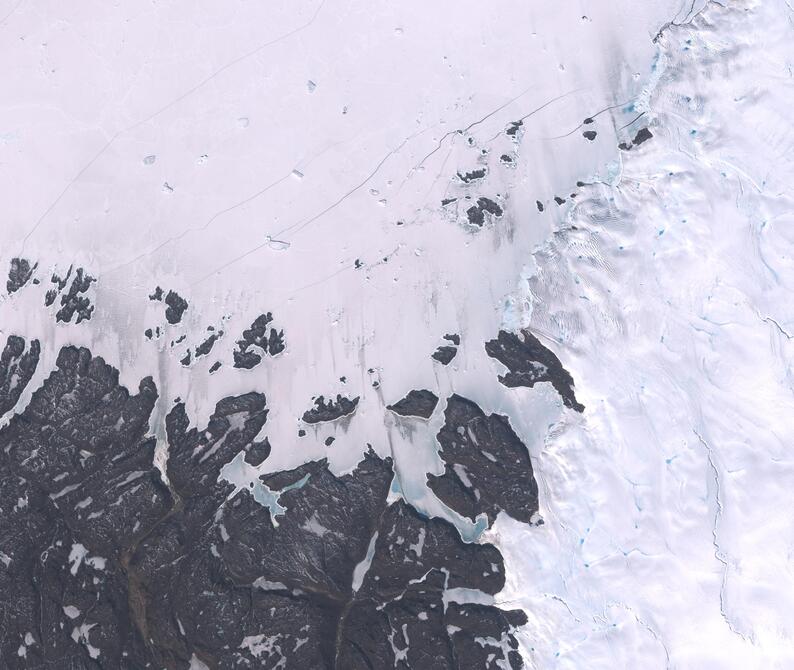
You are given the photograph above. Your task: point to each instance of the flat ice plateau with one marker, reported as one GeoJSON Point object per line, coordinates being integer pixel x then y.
{"type": "Point", "coordinates": [372, 335]}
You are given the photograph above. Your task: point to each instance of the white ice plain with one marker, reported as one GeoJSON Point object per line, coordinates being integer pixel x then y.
{"type": "Point", "coordinates": [670, 535]}
{"type": "Point", "coordinates": [247, 155]}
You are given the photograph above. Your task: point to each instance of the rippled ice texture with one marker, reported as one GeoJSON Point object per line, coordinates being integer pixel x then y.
{"type": "Point", "coordinates": [668, 503]}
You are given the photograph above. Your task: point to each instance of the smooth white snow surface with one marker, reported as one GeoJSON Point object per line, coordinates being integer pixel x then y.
{"type": "Point", "coordinates": [111, 102]}
{"type": "Point", "coordinates": [246, 155]}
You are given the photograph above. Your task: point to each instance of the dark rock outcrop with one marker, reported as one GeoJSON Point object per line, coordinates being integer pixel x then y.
{"type": "Point", "coordinates": [330, 410]}
{"type": "Point", "coordinates": [419, 403]}
{"type": "Point", "coordinates": [397, 618]}
{"type": "Point", "coordinates": [444, 354]}
{"type": "Point", "coordinates": [643, 135]}
{"type": "Point", "coordinates": [513, 128]}
{"type": "Point", "coordinates": [529, 362]}
{"type": "Point", "coordinates": [487, 466]}
{"type": "Point", "coordinates": [473, 175]}
{"type": "Point", "coordinates": [175, 307]}
{"type": "Point", "coordinates": [19, 274]}
{"type": "Point", "coordinates": [103, 565]}
{"type": "Point", "coordinates": [78, 490]}
{"type": "Point", "coordinates": [206, 346]}
{"type": "Point", "coordinates": [74, 301]}
{"type": "Point", "coordinates": [16, 369]}
{"type": "Point", "coordinates": [476, 213]}
{"type": "Point", "coordinates": [175, 304]}
{"type": "Point", "coordinates": [260, 337]}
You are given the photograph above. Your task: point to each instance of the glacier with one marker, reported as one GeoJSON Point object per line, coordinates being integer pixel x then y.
{"type": "Point", "coordinates": [280, 223]}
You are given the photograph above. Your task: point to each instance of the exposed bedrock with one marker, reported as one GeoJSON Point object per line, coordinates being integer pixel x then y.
{"type": "Point", "coordinates": [529, 362]}
{"type": "Point", "coordinates": [487, 468]}
{"type": "Point", "coordinates": [330, 410]}
{"type": "Point", "coordinates": [103, 565]}
{"type": "Point", "coordinates": [419, 403]}
{"type": "Point", "coordinates": [75, 300]}
{"type": "Point", "coordinates": [17, 364]}
{"type": "Point", "coordinates": [19, 274]}
{"type": "Point", "coordinates": [259, 340]}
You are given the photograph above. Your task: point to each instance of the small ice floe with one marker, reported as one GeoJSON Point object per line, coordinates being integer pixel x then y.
{"type": "Point", "coordinates": [22, 652]}
{"type": "Point", "coordinates": [313, 525]}
{"type": "Point", "coordinates": [278, 245]}
{"type": "Point", "coordinates": [246, 477]}
{"type": "Point", "coordinates": [76, 556]}
{"type": "Point", "coordinates": [71, 611]}
{"type": "Point", "coordinates": [80, 634]}
{"type": "Point", "coordinates": [197, 664]}
{"type": "Point", "coordinates": [79, 554]}
{"type": "Point", "coordinates": [418, 546]}
{"type": "Point", "coordinates": [261, 644]}
{"type": "Point", "coordinates": [362, 568]}
{"type": "Point", "coordinates": [266, 585]}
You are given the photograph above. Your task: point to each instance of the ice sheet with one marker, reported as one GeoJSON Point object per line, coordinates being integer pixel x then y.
{"type": "Point", "coordinates": [294, 158]}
